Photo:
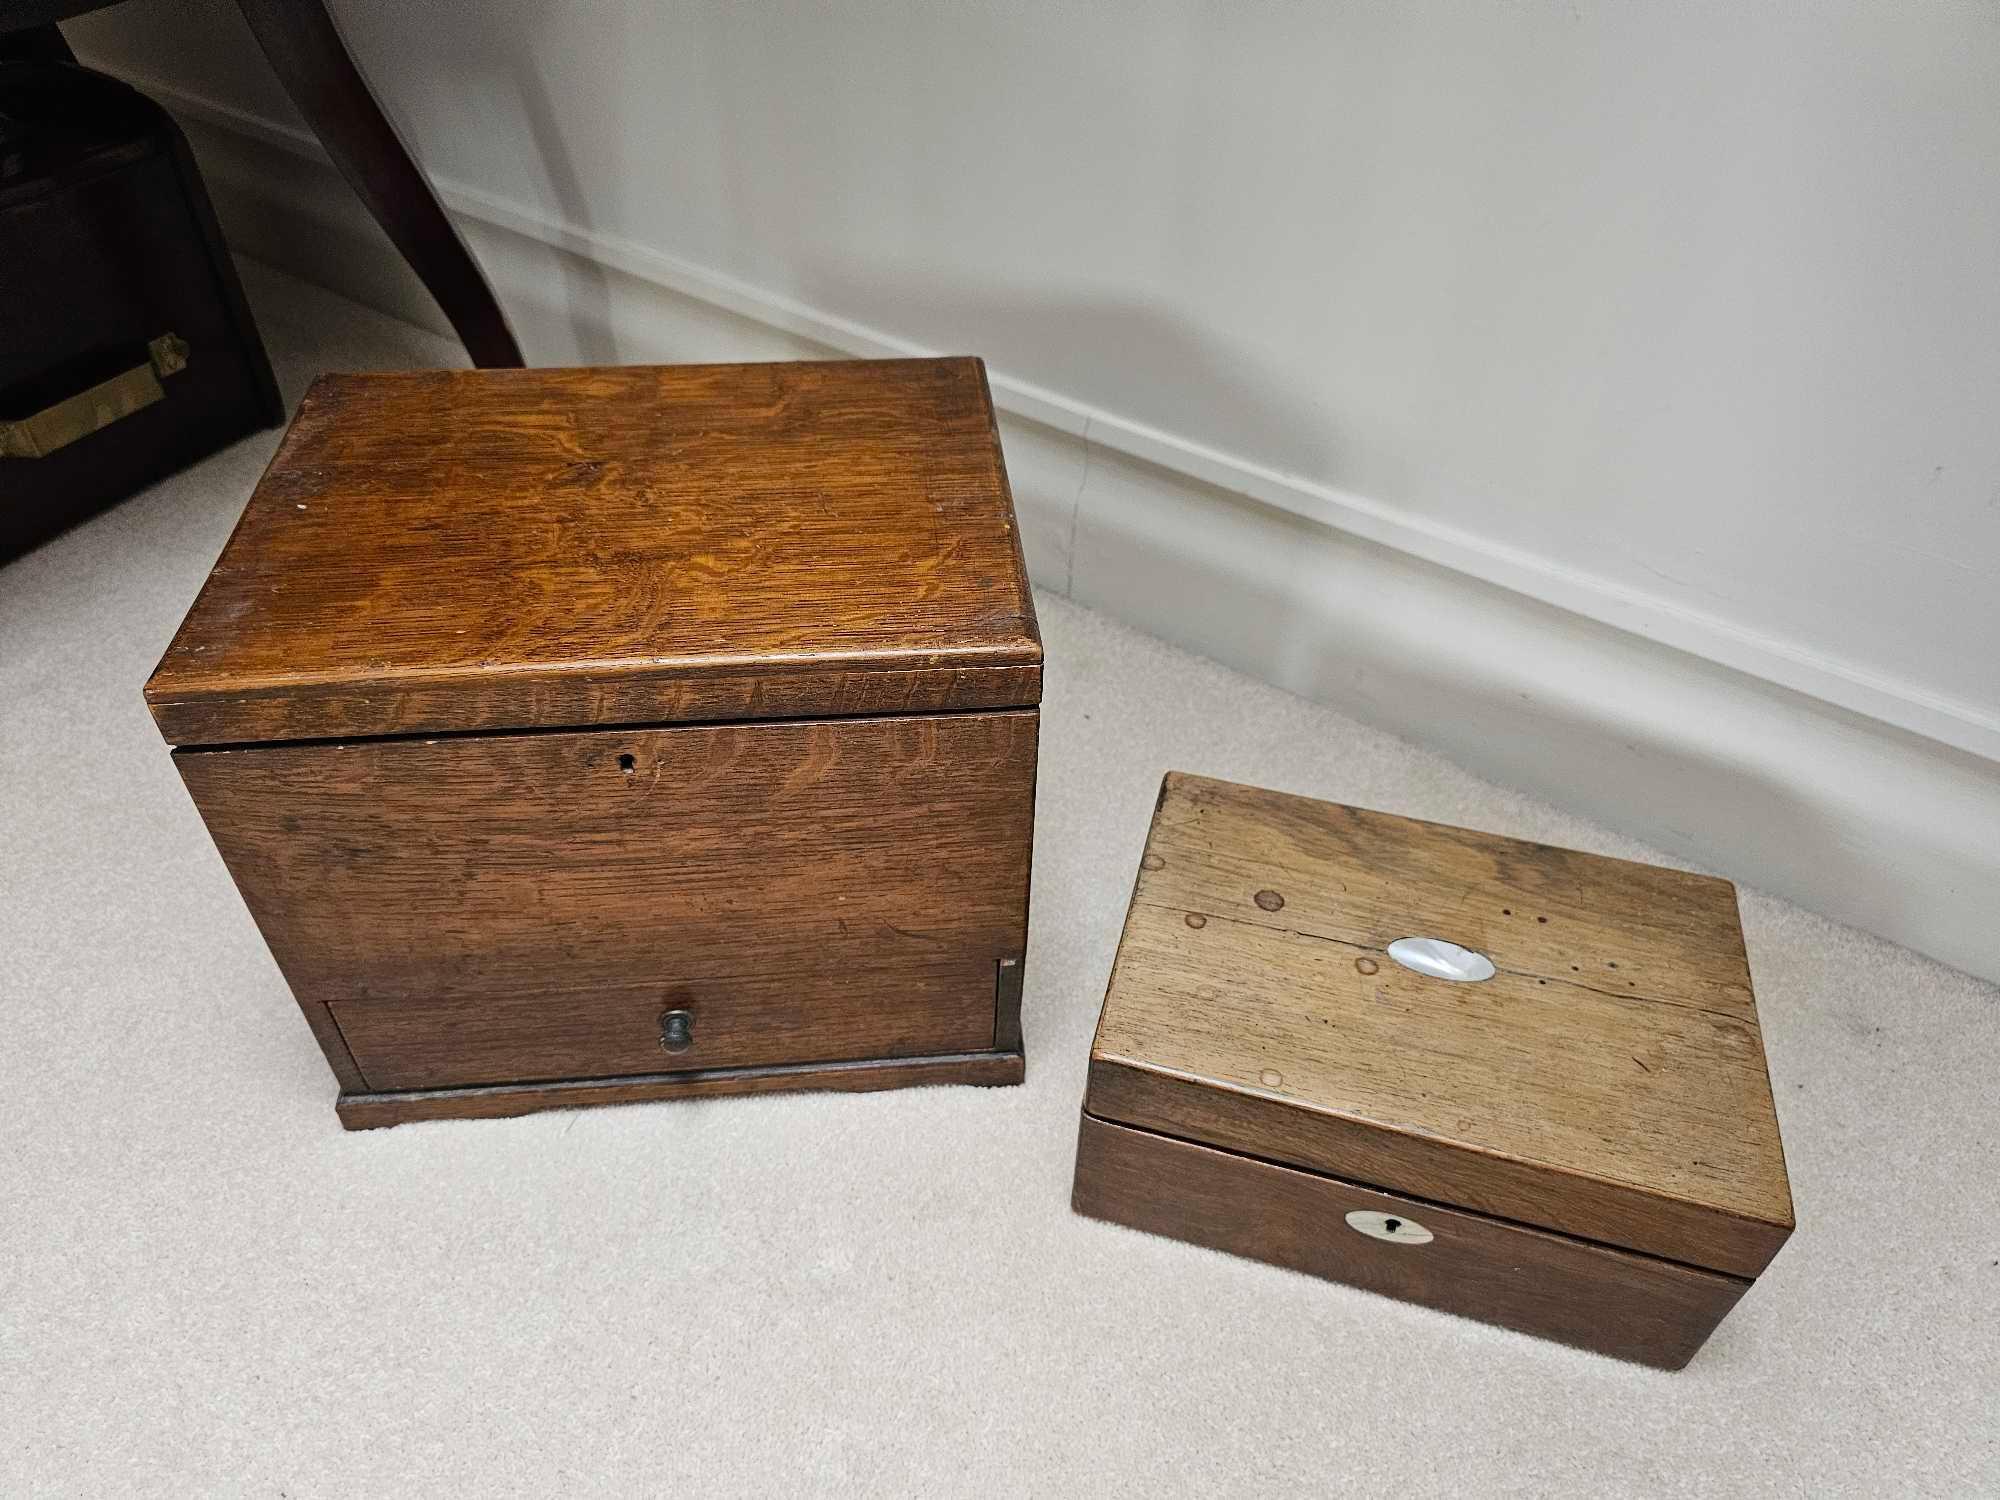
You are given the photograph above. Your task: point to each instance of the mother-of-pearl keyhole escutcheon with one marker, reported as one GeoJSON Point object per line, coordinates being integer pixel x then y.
{"type": "Point", "coordinates": [1394, 1228]}
{"type": "Point", "coordinates": [1441, 960]}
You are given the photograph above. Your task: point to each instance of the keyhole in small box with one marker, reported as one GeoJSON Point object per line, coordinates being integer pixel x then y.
{"type": "Point", "coordinates": [627, 764]}
{"type": "Point", "coordinates": [1391, 1229]}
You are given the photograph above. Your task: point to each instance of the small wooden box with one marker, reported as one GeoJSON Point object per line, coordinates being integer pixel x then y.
{"type": "Point", "coordinates": [582, 736]}
{"type": "Point", "coordinates": [1582, 1145]}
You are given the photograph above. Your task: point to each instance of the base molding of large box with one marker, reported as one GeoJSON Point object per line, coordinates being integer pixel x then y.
{"type": "Point", "coordinates": [496, 1101]}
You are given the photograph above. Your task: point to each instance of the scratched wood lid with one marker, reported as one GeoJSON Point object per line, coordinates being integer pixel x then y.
{"type": "Point", "coordinates": [501, 549]}
{"type": "Point", "coordinates": [1607, 1081]}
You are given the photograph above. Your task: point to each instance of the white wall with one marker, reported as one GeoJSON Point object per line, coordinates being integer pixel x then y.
{"type": "Point", "coordinates": [1680, 317]}
{"type": "Point", "coordinates": [1698, 302]}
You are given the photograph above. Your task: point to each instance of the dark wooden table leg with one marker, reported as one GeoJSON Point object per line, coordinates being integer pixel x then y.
{"type": "Point", "coordinates": [312, 62]}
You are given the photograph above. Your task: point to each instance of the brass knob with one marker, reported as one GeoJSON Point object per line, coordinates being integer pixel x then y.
{"type": "Point", "coordinates": [677, 1030]}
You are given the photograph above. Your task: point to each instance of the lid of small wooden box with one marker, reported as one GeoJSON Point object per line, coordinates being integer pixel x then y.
{"type": "Point", "coordinates": [500, 549]}
{"type": "Point", "coordinates": [1608, 1081]}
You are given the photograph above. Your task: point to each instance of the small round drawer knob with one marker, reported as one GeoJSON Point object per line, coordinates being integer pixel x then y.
{"type": "Point", "coordinates": [677, 1030]}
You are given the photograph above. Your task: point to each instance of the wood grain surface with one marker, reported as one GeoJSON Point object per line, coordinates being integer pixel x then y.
{"type": "Point", "coordinates": [1629, 1306]}
{"type": "Point", "coordinates": [440, 551]}
{"type": "Point", "coordinates": [1608, 1082]}
{"type": "Point", "coordinates": [373, 1111]}
{"type": "Point", "coordinates": [486, 879]}
{"type": "Point", "coordinates": [1612, 926]}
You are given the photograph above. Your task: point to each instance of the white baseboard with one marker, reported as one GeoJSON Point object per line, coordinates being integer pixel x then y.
{"type": "Point", "coordinates": [1863, 799]}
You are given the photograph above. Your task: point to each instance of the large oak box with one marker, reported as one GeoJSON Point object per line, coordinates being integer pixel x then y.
{"type": "Point", "coordinates": [1559, 1120]}
{"type": "Point", "coordinates": [597, 735]}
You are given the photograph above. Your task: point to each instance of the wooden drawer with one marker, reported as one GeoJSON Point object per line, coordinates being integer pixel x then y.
{"type": "Point", "coordinates": [732, 1023]}
{"type": "Point", "coordinates": [1615, 1302]}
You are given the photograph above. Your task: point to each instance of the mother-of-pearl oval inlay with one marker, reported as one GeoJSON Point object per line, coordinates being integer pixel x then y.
{"type": "Point", "coordinates": [1441, 960]}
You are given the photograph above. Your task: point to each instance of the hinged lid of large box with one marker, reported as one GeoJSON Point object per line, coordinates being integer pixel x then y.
{"type": "Point", "coordinates": [441, 551]}
{"type": "Point", "coordinates": [1607, 1080]}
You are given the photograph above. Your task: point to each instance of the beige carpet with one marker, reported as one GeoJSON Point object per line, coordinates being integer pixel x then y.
{"type": "Point", "coordinates": [207, 1288]}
